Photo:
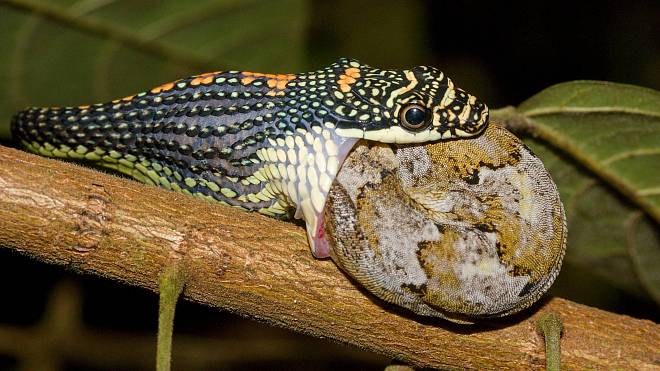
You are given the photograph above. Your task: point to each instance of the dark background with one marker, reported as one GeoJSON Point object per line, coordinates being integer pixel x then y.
{"type": "Point", "coordinates": [503, 52]}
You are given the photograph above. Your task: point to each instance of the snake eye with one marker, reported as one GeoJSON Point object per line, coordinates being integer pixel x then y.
{"type": "Point", "coordinates": [414, 117]}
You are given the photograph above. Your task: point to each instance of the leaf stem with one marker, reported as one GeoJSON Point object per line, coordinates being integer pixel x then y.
{"type": "Point", "coordinates": [511, 119]}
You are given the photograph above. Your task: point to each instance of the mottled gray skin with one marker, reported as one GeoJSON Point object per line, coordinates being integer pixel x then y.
{"type": "Point", "coordinates": [461, 230]}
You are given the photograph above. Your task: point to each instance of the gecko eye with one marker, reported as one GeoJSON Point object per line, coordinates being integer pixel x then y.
{"type": "Point", "coordinates": [414, 117]}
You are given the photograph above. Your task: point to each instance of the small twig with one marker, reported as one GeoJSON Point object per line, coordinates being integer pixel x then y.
{"type": "Point", "coordinates": [549, 325]}
{"type": "Point", "coordinates": [170, 288]}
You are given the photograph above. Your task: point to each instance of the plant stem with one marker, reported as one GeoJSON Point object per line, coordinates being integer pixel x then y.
{"type": "Point", "coordinates": [550, 326]}
{"type": "Point", "coordinates": [170, 288]}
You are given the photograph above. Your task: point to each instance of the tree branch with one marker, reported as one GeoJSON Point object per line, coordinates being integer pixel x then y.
{"type": "Point", "coordinates": [262, 268]}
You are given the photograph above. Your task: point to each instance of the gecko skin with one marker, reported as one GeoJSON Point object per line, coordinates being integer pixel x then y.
{"type": "Point", "coordinates": [263, 142]}
{"type": "Point", "coordinates": [462, 230]}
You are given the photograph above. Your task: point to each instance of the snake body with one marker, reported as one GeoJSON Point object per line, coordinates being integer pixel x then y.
{"type": "Point", "coordinates": [263, 142]}
{"type": "Point", "coordinates": [463, 230]}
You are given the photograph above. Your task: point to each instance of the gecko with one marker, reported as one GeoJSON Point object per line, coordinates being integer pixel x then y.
{"type": "Point", "coordinates": [271, 143]}
{"type": "Point", "coordinates": [464, 230]}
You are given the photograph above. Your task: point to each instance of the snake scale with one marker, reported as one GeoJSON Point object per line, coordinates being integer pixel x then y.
{"type": "Point", "coordinates": [275, 143]}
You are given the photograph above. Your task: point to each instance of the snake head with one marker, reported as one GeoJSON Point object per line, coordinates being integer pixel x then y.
{"type": "Point", "coordinates": [393, 106]}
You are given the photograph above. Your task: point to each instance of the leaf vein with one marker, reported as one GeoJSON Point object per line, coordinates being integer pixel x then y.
{"type": "Point", "coordinates": [551, 110]}
{"type": "Point", "coordinates": [630, 154]}
{"type": "Point", "coordinates": [108, 31]}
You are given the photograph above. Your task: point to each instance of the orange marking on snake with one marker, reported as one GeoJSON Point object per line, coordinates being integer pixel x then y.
{"type": "Point", "coordinates": [352, 72]}
{"type": "Point", "coordinates": [274, 81]}
{"type": "Point", "coordinates": [205, 78]}
{"type": "Point", "coordinates": [124, 99]}
{"type": "Point", "coordinates": [164, 87]}
{"type": "Point", "coordinates": [348, 78]}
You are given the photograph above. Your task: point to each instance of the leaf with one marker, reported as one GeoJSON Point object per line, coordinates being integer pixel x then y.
{"type": "Point", "coordinates": [63, 52]}
{"type": "Point", "coordinates": [612, 129]}
{"type": "Point", "coordinates": [601, 143]}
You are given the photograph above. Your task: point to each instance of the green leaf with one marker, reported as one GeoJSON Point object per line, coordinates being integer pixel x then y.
{"type": "Point", "coordinates": [64, 52]}
{"type": "Point", "coordinates": [601, 143]}
{"type": "Point", "coordinates": [612, 129]}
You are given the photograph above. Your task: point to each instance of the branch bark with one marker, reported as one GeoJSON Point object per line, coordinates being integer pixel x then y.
{"type": "Point", "coordinates": [261, 268]}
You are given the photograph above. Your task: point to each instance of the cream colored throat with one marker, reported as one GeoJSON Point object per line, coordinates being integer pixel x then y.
{"type": "Point", "coordinates": [301, 169]}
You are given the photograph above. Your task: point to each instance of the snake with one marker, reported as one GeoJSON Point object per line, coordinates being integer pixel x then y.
{"type": "Point", "coordinates": [270, 143]}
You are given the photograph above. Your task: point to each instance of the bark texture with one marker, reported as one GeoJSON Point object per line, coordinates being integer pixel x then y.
{"type": "Point", "coordinates": [261, 268]}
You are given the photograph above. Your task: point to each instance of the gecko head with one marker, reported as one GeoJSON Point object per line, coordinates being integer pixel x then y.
{"type": "Point", "coordinates": [409, 106]}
